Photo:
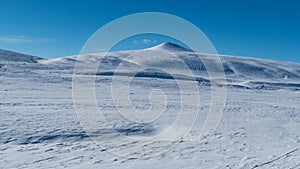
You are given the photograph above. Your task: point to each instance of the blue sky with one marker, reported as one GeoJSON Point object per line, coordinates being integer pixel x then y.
{"type": "Point", "coordinates": [53, 28]}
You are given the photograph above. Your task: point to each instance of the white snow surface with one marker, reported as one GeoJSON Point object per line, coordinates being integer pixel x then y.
{"type": "Point", "coordinates": [39, 127]}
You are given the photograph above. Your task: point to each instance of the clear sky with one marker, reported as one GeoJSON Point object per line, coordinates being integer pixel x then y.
{"type": "Point", "coordinates": [53, 28]}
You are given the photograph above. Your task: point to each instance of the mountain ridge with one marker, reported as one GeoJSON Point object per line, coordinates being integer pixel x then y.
{"type": "Point", "coordinates": [238, 70]}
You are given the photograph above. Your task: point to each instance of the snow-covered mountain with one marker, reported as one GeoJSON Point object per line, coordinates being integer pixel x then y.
{"type": "Point", "coordinates": [160, 56]}
{"type": "Point", "coordinates": [240, 71]}
{"type": "Point", "coordinates": [39, 127]}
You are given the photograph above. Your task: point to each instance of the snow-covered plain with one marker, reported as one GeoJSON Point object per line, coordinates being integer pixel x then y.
{"type": "Point", "coordinates": [39, 128]}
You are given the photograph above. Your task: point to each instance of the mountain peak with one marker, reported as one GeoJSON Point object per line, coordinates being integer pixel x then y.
{"type": "Point", "coordinates": [170, 46]}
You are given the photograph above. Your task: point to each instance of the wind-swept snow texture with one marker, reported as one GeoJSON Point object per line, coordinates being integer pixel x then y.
{"type": "Point", "coordinates": [39, 127]}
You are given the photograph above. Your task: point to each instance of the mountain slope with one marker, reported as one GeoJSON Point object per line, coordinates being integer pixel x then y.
{"type": "Point", "coordinates": [9, 56]}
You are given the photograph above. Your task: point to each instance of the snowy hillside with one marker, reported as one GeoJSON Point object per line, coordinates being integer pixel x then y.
{"type": "Point", "coordinates": [39, 127]}
{"type": "Point", "coordinates": [8, 56]}
{"type": "Point", "coordinates": [240, 71]}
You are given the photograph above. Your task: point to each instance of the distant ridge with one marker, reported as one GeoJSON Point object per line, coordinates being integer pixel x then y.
{"type": "Point", "coordinates": [9, 56]}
